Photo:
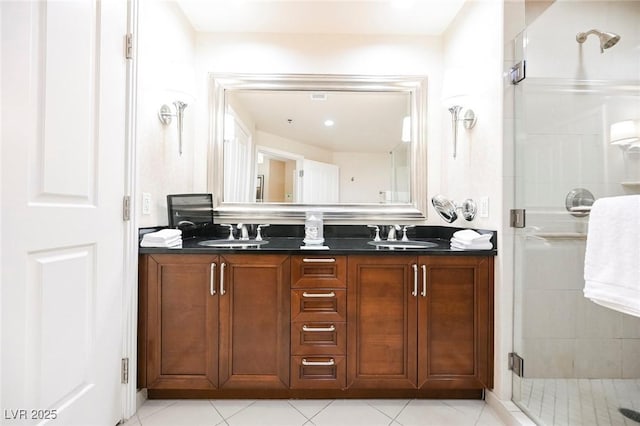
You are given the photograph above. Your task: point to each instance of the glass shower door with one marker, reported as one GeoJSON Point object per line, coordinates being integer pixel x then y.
{"type": "Point", "coordinates": [581, 360]}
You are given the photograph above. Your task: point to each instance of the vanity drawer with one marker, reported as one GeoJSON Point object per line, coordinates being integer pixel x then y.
{"type": "Point", "coordinates": [319, 305]}
{"type": "Point", "coordinates": [318, 271]}
{"type": "Point", "coordinates": [318, 372]}
{"type": "Point", "coordinates": [318, 338]}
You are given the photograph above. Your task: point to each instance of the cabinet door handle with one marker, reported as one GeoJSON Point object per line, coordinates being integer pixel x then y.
{"type": "Point", "coordinates": [318, 363]}
{"type": "Point", "coordinates": [222, 266]}
{"type": "Point", "coordinates": [318, 329]}
{"type": "Point", "coordinates": [415, 280]}
{"type": "Point", "coordinates": [424, 281]}
{"type": "Point", "coordinates": [212, 286]}
{"type": "Point", "coordinates": [305, 260]}
{"type": "Point", "coordinates": [305, 294]}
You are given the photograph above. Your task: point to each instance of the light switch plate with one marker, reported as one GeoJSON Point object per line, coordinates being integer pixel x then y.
{"type": "Point", "coordinates": [146, 203]}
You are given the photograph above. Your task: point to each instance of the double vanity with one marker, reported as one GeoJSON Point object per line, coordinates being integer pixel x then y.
{"type": "Point", "coordinates": [269, 319]}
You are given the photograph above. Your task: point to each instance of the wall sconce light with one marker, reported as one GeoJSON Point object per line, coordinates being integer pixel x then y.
{"type": "Point", "coordinates": [447, 209]}
{"type": "Point", "coordinates": [626, 135]}
{"type": "Point", "coordinates": [165, 115]}
{"type": "Point", "coordinates": [468, 120]}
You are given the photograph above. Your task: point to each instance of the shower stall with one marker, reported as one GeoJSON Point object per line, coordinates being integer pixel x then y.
{"type": "Point", "coordinates": [575, 362]}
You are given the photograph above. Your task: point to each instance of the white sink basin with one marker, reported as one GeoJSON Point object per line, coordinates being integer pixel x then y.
{"type": "Point", "coordinates": [232, 243]}
{"type": "Point", "coordinates": [403, 244]}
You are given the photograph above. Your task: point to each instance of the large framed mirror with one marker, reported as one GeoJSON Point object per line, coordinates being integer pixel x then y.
{"type": "Point", "coordinates": [352, 147]}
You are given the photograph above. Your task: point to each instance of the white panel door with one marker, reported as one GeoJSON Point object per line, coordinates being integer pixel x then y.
{"type": "Point", "coordinates": [63, 169]}
{"type": "Point", "coordinates": [320, 182]}
{"type": "Point", "coordinates": [239, 187]}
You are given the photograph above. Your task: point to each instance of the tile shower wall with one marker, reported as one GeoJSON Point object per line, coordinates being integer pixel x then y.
{"type": "Point", "coordinates": [566, 335]}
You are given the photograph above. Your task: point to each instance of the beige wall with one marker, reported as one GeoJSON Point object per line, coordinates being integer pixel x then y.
{"type": "Point", "coordinates": [166, 73]}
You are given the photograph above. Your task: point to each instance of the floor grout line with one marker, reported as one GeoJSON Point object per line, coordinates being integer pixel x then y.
{"type": "Point", "coordinates": [579, 401]}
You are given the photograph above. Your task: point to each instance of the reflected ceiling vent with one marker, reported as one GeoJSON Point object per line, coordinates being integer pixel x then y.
{"type": "Point", "coordinates": [318, 96]}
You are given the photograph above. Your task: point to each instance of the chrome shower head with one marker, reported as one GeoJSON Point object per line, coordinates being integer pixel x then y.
{"type": "Point", "coordinates": [607, 40]}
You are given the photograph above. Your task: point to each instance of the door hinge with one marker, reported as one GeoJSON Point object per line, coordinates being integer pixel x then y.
{"type": "Point", "coordinates": [517, 73]}
{"type": "Point", "coordinates": [517, 218]}
{"type": "Point", "coordinates": [128, 46]}
{"type": "Point", "coordinates": [126, 208]}
{"type": "Point", "coordinates": [125, 371]}
{"type": "Point", "coordinates": [301, 173]}
{"type": "Point", "coordinates": [516, 364]}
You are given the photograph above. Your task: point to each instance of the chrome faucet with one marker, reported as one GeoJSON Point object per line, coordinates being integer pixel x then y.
{"type": "Point", "coordinates": [391, 236]}
{"type": "Point", "coordinates": [377, 229]}
{"type": "Point", "coordinates": [404, 232]}
{"type": "Point", "coordinates": [259, 235]}
{"type": "Point", "coordinates": [230, 237]}
{"type": "Point", "coordinates": [244, 233]}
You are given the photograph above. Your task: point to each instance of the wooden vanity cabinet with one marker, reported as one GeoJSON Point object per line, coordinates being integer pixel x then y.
{"type": "Point", "coordinates": [215, 322]}
{"type": "Point", "coordinates": [455, 323]}
{"type": "Point", "coordinates": [318, 322]}
{"type": "Point", "coordinates": [270, 325]}
{"type": "Point", "coordinates": [420, 322]}
{"type": "Point", "coordinates": [179, 321]}
{"type": "Point", "coordinates": [382, 327]}
{"type": "Point", "coordinates": [254, 321]}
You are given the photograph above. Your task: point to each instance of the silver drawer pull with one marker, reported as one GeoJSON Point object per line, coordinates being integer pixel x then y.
{"type": "Point", "coordinates": [212, 287]}
{"type": "Point", "coordinates": [305, 260]}
{"type": "Point", "coordinates": [415, 280]}
{"type": "Point", "coordinates": [318, 329]}
{"type": "Point", "coordinates": [224, 265]}
{"type": "Point", "coordinates": [325, 295]}
{"type": "Point", "coordinates": [318, 363]}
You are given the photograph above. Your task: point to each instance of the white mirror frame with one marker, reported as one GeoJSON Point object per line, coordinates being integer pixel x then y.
{"type": "Point", "coordinates": [336, 213]}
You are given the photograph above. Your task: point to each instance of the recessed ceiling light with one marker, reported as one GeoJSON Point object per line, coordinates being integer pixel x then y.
{"type": "Point", "coordinates": [329, 123]}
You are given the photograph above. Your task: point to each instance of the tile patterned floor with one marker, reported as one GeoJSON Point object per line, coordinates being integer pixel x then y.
{"type": "Point", "coordinates": [319, 412]}
{"type": "Point", "coordinates": [584, 402]}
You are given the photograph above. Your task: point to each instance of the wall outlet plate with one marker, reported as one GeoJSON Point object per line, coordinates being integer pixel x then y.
{"type": "Point", "coordinates": [146, 203]}
{"type": "Point", "coordinates": [483, 207]}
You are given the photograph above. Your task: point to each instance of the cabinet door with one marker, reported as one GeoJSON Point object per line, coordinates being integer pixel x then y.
{"type": "Point", "coordinates": [382, 319]}
{"type": "Point", "coordinates": [254, 321]}
{"type": "Point", "coordinates": [182, 322]}
{"type": "Point", "coordinates": [455, 322]}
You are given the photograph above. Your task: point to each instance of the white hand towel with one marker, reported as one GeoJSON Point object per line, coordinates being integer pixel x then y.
{"type": "Point", "coordinates": [469, 236]}
{"type": "Point", "coordinates": [481, 245]}
{"type": "Point", "coordinates": [162, 235]}
{"type": "Point", "coordinates": [612, 258]}
{"type": "Point", "coordinates": [168, 243]}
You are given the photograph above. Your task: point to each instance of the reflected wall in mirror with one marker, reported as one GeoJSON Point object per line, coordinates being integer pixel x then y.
{"type": "Point", "coordinates": [345, 144]}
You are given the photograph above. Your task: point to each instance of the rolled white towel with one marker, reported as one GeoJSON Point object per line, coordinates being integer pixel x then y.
{"type": "Point", "coordinates": [471, 236]}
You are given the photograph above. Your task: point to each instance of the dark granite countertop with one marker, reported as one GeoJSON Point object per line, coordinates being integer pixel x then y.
{"type": "Point", "coordinates": [344, 239]}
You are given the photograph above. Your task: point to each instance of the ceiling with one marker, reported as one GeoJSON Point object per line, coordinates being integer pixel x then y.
{"type": "Point", "coordinates": [400, 17]}
{"type": "Point", "coordinates": [363, 121]}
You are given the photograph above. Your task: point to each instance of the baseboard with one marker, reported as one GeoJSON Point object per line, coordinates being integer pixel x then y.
{"type": "Point", "coordinates": [141, 397]}
{"type": "Point", "coordinates": [508, 412]}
